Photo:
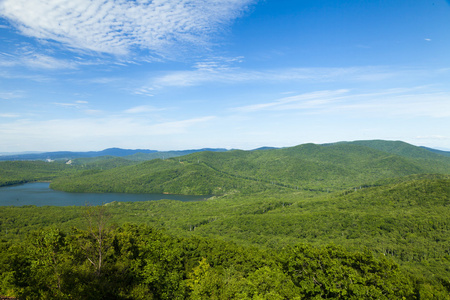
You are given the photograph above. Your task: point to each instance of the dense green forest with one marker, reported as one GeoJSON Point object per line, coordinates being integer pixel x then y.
{"type": "Point", "coordinates": [17, 172]}
{"type": "Point", "coordinates": [306, 167]}
{"type": "Point", "coordinates": [139, 262]}
{"type": "Point", "coordinates": [359, 220]}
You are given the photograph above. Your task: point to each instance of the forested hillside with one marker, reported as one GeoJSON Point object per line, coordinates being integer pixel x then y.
{"type": "Point", "coordinates": [365, 220]}
{"type": "Point", "coordinates": [405, 221]}
{"type": "Point", "coordinates": [160, 176]}
{"type": "Point", "coordinates": [17, 172]}
{"type": "Point", "coordinates": [138, 262]}
{"type": "Point", "coordinates": [306, 167]}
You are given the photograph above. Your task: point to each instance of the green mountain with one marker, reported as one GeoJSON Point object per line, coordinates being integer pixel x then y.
{"type": "Point", "coordinates": [400, 148]}
{"type": "Point", "coordinates": [101, 162]}
{"type": "Point", "coordinates": [308, 167]}
{"type": "Point", "coordinates": [168, 154]}
{"type": "Point", "coordinates": [17, 172]}
{"type": "Point", "coordinates": [160, 176]}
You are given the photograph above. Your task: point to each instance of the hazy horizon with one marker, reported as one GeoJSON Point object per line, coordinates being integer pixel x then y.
{"type": "Point", "coordinates": [186, 149]}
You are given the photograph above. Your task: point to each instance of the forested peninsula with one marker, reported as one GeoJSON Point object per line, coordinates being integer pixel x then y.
{"type": "Point", "coordinates": [349, 220]}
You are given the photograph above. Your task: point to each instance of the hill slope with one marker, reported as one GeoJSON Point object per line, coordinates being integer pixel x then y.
{"type": "Point", "coordinates": [307, 167]}
{"type": "Point", "coordinates": [160, 176]}
{"type": "Point", "coordinates": [406, 221]}
{"type": "Point", "coordinates": [400, 148]}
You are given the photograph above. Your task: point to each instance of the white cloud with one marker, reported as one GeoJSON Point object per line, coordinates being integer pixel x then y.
{"type": "Point", "coordinates": [302, 101]}
{"type": "Point", "coordinates": [64, 104]}
{"type": "Point", "coordinates": [26, 76]}
{"type": "Point", "coordinates": [142, 109]}
{"type": "Point", "coordinates": [116, 26]}
{"type": "Point", "coordinates": [144, 91]}
{"type": "Point", "coordinates": [408, 103]}
{"type": "Point", "coordinates": [92, 111]}
{"type": "Point", "coordinates": [41, 61]}
{"type": "Point", "coordinates": [220, 72]}
{"type": "Point", "coordinates": [11, 95]}
{"type": "Point", "coordinates": [79, 104]}
{"type": "Point", "coordinates": [35, 60]}
{"type": "Point", "coordinates": [9, 115]}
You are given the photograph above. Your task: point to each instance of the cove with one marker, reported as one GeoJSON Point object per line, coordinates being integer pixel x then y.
{"type": "Point", "coordinates": [40, 194]}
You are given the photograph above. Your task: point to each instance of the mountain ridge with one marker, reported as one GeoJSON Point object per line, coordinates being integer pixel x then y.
{"type": "Point", "coordinates": [396, 147]}
{"type": "Point", "coordinates": [307, 167]}
{"type": "Point", "coordinates": [118, 152]}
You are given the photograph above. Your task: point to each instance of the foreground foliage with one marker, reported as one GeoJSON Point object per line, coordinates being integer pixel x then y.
{"type": "Point", "coordinates": [140, 262]}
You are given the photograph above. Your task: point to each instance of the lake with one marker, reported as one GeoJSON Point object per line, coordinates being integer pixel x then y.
{"type": "Point", "coordinates": [39, 194]}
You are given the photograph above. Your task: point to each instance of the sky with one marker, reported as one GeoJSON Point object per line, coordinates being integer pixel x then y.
{"type": "Point", "coordinates": [85, 75]}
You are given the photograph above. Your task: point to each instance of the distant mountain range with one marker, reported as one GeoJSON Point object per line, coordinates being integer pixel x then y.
{"type": "Point", "coordinates": [446, 153]}
{"type": "Point", "coordinates": [146, 154]}
{"type": "Point", "coordinates": [118, 152]}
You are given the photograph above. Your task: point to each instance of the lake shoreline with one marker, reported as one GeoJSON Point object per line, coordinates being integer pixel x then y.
{"type": "Point", "coordinates": [40, 194]}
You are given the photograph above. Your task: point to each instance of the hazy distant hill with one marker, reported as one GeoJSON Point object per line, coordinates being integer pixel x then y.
{"type": "Point", "coordinates": [136, 154]}
{"type": "Point", "coordinates": [441, 152]}
{"type": "Point", "coordinates": [394, 147]}
{"type": "Point", "coordinates": [72, 155]}
{"type": "Point", "coordinates": [168, 154]}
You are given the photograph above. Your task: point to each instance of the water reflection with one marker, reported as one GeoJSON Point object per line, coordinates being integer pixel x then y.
{"type": "Point", "coordinates": [39, 194]}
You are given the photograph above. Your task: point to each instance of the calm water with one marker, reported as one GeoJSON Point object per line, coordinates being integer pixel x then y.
{"type": "Point", "coordinates": [39, 194]}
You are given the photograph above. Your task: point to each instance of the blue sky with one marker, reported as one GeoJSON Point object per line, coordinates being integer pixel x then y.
{"type": "Point", "coordinates": [86, 75]}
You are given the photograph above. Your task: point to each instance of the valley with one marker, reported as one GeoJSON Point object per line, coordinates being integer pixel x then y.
{"type": "Point", "coordinates": [381, 203]}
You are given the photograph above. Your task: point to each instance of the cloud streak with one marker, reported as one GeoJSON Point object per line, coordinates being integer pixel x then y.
{"type": "Point", "coordinates": [142, 109]}
{"type": "Point", "coordinates": [408, 103]}
{"type": "Point", "coordinates": [34, 60]}
{"type": "Point", "coordinates": [117, 27]}
{"type": "Point", "coordinates": [11, 95]}
{"type": "Point", "coordinates": [219, 72]}
{"type": "Point", "coordinates": [303, 101]}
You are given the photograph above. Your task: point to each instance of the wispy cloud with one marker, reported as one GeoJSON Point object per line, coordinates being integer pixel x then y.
{"type": "Point", "coordinates": [116, 26]}
{"type": "Point", "coordinates": [41, 61]}
{"type": "Point", "coordinates": [11, 95]}
{"type": "Point", "coordinates": [76, 104]}
{"type": "Point", "coordinates": [17, 75]}
{"type": "Point", "coordinates": [302, 101]}
{"type": "Point", "coordinates": [142, 109]}
{"type": "Point", "coordinates": [219, 72]}
{"type": "Point", "coordinates": [410, 103]}
{"type": "Point", "coordinates": [3, 115]}
{"type": "Point", "coordinates": [35, 60]}
{"type": "Point", "coordinates": [144, 91]}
